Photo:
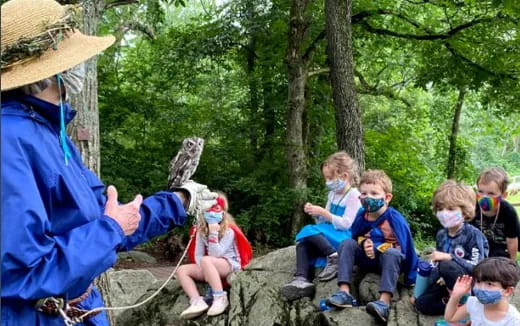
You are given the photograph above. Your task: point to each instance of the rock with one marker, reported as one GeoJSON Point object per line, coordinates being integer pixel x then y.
{"type": "Point", "coordinates": [126, 286]}
{"type": "Point", "coordinates": [138, 256]}
{"type": "Point", "coordinates": [256, 300]}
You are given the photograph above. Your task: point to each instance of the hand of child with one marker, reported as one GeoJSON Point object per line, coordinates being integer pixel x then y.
{"type": "Point", "coordinates": [462, 286]}
{"type": "Point", "coordinates": [368, 246]}
{"type": "Point", "coordinates": [214, 227]}
{"type": "Point", "coordinates": [439, 256]}
{"type": "Point", "coordinates": [314, 210]}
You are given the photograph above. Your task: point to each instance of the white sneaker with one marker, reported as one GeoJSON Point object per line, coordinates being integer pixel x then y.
{"type": "Point", "coordinates": [197, 307]}
{"type": "Point", "coordinates": [220, 303]}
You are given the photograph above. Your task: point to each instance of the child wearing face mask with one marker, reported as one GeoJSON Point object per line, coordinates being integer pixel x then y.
{"type": "Point", "coordinates": [495, 282]}
{"type": "Point", "coordinates": [459, 245]}
{"type": "Point", "coordinates": [494, 216]}
{"type": "Point", "coordinates": [381, 242]}
{"type": "Point", "coordinates": [220, 248]}
{"type": "Point", "coordinates": [332, 226]}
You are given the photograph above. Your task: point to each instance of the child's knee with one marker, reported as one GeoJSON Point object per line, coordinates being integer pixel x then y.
{"type": "Point", "coordinates": [182, 270]}
{"type": "Point", "coordinates": [348, 245]}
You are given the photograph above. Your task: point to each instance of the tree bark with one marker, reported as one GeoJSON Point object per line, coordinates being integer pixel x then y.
{"type": "Point", "coordinates": [349, 128]}
{"type": "Point", "coordinates": [84, 129]}
{"type": "Point", "coordinates": [453, 136]}
{"type": "Point", "coordinates": [297, 77]}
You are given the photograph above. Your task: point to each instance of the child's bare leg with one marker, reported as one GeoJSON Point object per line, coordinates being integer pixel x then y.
{"type": "Point", "coordinates": [386, 297]}
{"type": "Point", "coordinates": [344, 287]}
{"type": "Point", "coordinates": [214, 269]}
{"type": "Point", "coordinates": [187, 275]}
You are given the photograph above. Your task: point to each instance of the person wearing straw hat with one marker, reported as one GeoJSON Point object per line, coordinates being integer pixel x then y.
{"type": "Point", "coordinates": [59, 232]}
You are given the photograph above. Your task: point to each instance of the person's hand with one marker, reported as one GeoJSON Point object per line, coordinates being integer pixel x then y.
{"type": "Point", "coordinates": [441, 282]}
{"type": "Point", "coordinates": [214, 227]}
{"type": "Point", "coordinates": [440, 256]}
{"type": "Point", "coordinates": [368, 246]}
{"type": "Point", "coordinates": [200, 198]}
{"type": "Point", "coordinates": [127, 215]}
{"type": "Point", "coordinates": [315, 210]}
{"type": "Point", "coordinates": [462, 286]}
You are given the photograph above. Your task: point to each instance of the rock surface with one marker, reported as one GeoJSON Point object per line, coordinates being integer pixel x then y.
{"type": "Point", "coordinates": [255, 300]}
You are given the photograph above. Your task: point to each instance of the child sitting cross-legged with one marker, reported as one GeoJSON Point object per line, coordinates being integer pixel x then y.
{"type": "Point", "coordinates": [495, 282]}
{"type": "Point", "coordinates": [381, 242]}
{"type": "Point", "coordinates": [459, 245]}
{"type": "Point", "coordinates": [220, 248]}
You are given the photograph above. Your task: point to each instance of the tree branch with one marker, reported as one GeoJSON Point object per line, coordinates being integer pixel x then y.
{"type": "Point", "coordinates": [368, 89]}
{"type": "Point", "coordinates": [312, 47]}
{"type": "Point", "coordinates": [318, 72]}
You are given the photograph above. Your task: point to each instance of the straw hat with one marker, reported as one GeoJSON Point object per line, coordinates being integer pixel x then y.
{"type": "Point", "coordinates": [26, 20]}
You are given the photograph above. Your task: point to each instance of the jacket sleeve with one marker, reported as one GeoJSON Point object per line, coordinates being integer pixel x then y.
{"type": "Point", "coordinates": [345, 222]}
{"type": "Point", "coordinates": [219, 248]}
{"type": "Point", "coordinates": [476, 247]}
{"type": "Point", "coordinates": [35, 262]}
{"type": "Point", "coordinates": [200, 248]}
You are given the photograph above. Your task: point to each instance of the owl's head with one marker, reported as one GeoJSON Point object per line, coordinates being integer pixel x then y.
{"type": "Point", "coordinates": [193, 146]}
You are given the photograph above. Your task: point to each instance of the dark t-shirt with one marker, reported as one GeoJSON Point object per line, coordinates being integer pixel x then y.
{"type": "Point", "coordinates": [506, 226]}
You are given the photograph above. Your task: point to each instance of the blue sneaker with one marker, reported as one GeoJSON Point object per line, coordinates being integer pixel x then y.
{"type": "Point", "coordinates": [341, 299]}
{"type": "Point", "coordinates": [379, 309]}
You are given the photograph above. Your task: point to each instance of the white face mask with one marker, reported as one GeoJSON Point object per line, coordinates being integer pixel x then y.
{"type": "Point", "coordinates": [449, 218]}
{"type": "Point", "coordinates": [73, 79]}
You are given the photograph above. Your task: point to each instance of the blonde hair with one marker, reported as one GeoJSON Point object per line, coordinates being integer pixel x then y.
{"type": "Point", "coordinates": [377, 177]}
{"type": "Point", "coordinates": [453, 194]}
{"type": "Point", "coordinates": [342, 162]}
{"type": "Point", "coordinates": [497, 175]}
{"type": "Point", "coordinates": [227, 219]}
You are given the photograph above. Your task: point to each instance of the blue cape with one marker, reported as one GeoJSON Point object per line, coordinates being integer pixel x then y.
{"type": "Point", "coordinates": [402, 232]}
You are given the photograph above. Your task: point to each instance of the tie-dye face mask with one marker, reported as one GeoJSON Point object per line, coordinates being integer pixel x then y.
{"type": "Point", "coordinates": [488, 203]}
{"type": "Point", "coordinates": [449, 219]}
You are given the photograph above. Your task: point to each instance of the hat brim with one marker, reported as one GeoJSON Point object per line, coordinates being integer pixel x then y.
{"type": "Point", "coordinates": [72, 50]}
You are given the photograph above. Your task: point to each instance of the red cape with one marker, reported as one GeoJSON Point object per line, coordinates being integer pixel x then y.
{"type": "Point", "coordinates": [243, 246]}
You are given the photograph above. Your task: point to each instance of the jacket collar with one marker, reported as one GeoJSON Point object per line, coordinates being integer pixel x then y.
{"type": "Point", "coordinates": [47, 110]}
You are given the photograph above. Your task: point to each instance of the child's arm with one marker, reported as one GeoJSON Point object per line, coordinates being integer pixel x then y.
{"type": "Point", "coordinates": [216, 247]}
{"type": "Point", "coordinates": [512, 247]}
{"type": "Point", "coordinates": [454, 313]}
{"type": "Point", "coordinates": [199, 248]}
{"type": "Point", "coordinates": [352, 207]}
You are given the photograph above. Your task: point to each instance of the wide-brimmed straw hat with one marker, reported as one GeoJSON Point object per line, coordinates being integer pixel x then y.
{"type": "Point", "coordinates": [39, 40]}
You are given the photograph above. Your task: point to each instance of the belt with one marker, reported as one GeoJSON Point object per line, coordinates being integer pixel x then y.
{"type": "Point", "coordinates": [53, 305]}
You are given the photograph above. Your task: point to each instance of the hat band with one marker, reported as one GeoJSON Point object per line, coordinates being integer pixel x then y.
{"type": "Point", "coordinates": [26, 49]}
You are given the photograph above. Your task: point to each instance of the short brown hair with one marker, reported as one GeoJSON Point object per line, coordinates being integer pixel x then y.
{"type": "Point", "coordinates": [342, 162]}
{"type": "Point", "coordinates": [377, 177]}
{"type": "Point", "coordinates": [453, 194]}
{"type": "Point", "coordinates": [497, 175]}
{"type": "Point", "coordinates": [497, 269]}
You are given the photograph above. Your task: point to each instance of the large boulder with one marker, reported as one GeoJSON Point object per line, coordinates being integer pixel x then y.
{"type": "Point", "coordinates": [255, 300]}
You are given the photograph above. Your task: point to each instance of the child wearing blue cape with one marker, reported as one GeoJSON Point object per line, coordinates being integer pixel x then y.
{"type": "Point", "coordinates": [320, 240]}
{"type": "Point", "coordinates": [381, 242]}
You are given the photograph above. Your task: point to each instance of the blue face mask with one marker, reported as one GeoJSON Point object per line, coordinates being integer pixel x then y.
{"type": "Point", "coordinates": [487, 296]}
{"type": "Point", "coordinates": [372, 204]}
{"type": "Point", "coordinates": [335, 185]}
{"type": "Point", "coordinates": [213, 217]}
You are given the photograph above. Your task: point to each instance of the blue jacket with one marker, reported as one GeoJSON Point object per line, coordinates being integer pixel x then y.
{"type": "Point", "coordinates": [402, 232]}
{"type": "Point", "coordinates": [55, 238]}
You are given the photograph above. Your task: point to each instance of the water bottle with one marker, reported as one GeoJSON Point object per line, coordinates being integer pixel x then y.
{"type": "Point", "coordinates": [324, 306]}
{"type": "Point", "coordinates": [423, 278]}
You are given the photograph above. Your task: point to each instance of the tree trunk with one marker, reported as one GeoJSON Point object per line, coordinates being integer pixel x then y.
{"type": "Point", "coordinates": [349, 128]}
{"type": "Point", "coordinates": [84, 129]}
{"type": "Point", "coordinates": [297, 78]}
{"type": "Point", "coordinates": [453, 136]}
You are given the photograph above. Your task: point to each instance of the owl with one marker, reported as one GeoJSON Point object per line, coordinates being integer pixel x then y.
{"type": "Point", "coordinates": [183, 165]}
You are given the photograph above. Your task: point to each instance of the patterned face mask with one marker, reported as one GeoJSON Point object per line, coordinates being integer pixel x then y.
{"type": "Point", "coordinates": [372, 204]}
{"type": "Point", "coordinates": [73, 79]}
{"type": "Point", "coordinates": [488, 203]}
{"type": "Point", "coordinates": [335, 185]}
{"type": "Point", "coordinates": [449, 218]}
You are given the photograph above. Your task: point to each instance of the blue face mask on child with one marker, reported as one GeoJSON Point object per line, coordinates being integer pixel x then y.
{"type": "Point", "coordinates": [487, 296]}
{"type": "Point", "coordinates": [335, 185]}
{"type": "Point", "coordinates": [213, 217]}
{"type": "Point", "coordinates": [372, 204]}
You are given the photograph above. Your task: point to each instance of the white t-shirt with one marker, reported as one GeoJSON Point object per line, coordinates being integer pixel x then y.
{"type": "Point", "coordinates": [476, 313]}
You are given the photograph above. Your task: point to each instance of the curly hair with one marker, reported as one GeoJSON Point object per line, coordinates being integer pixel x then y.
{"type": "Point", "coordinates": [453, 194]}
{"type": "Point", "coordinates": [342, 162]}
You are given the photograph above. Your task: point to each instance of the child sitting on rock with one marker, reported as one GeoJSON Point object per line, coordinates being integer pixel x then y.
{"type": "Point", "coordinates": [220, 248]}
{"type": "Point", "coordinates": [332, 226]}
{"type": "Point", "coordinates": [381, 242]}
{"type": "Point", "coordinates": [495, 282]}
{"type": "Point", "coordinates": [459, 245]}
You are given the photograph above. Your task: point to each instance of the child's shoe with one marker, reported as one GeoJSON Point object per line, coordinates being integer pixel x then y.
{"type": "Point", "coordinates": [220, 303]}
{"type": "Point", "coordinates": [331, 269]}
{"type": "Point", "coordinates": [341, 299]}
{"type": "Point", "coordinates": [197, 307]}
{"type": "Point", "coordinates": [379, 309]}
{"type": "Point", "coordinates": [298, 288]}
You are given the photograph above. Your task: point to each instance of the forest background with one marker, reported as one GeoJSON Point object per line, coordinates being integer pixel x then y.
{"type": "Point", "coordinates": [423, 89]}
